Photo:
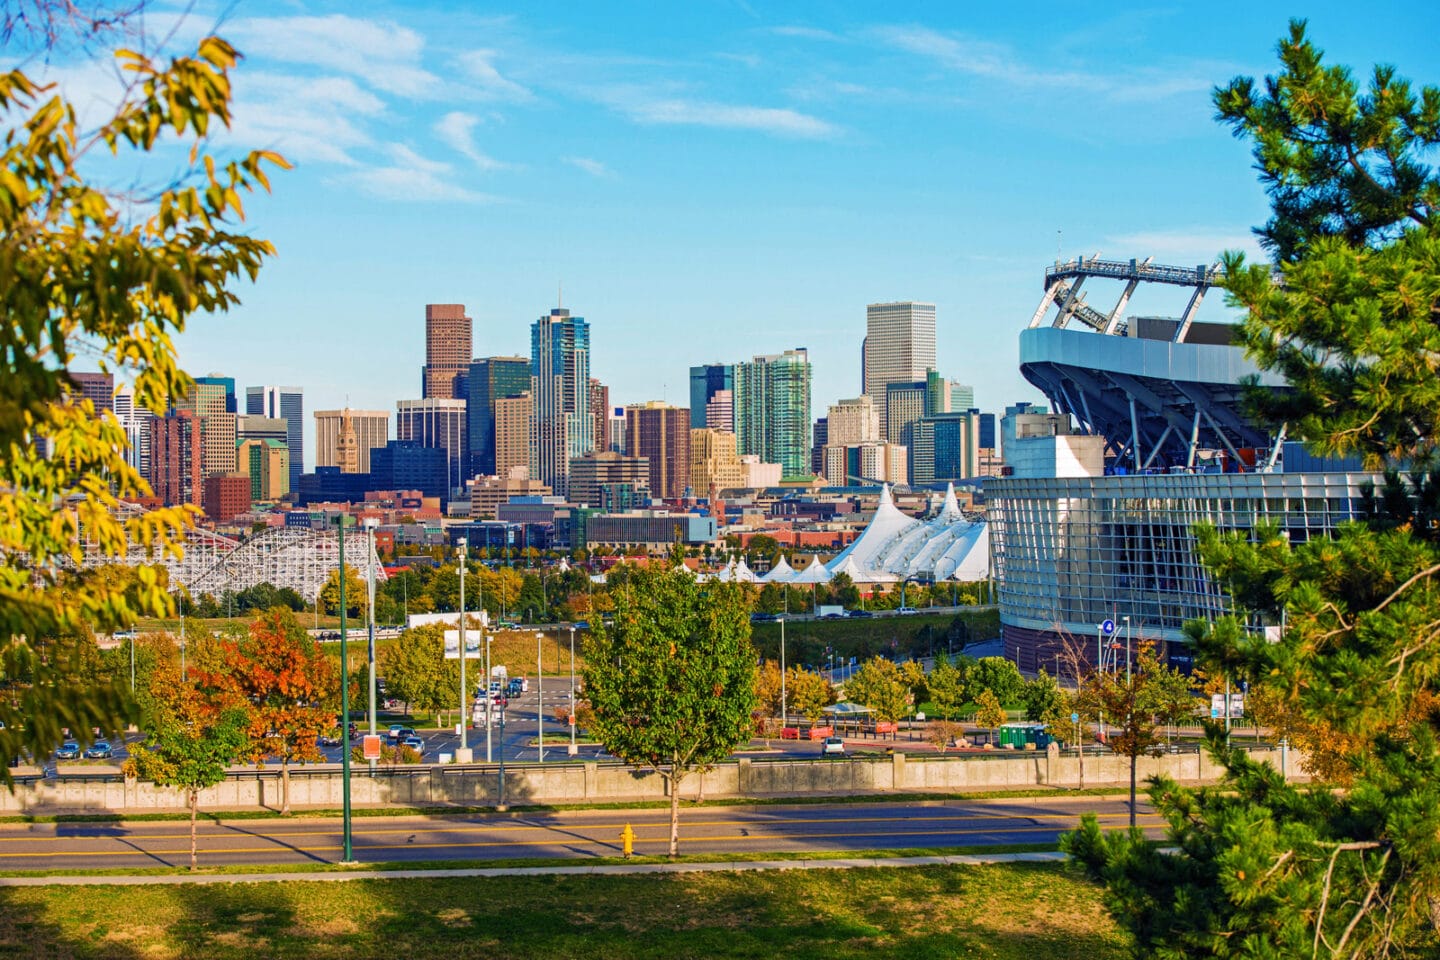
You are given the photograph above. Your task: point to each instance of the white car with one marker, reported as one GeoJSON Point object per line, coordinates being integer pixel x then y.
{"type": "Point", "coordinates": [833, 747]}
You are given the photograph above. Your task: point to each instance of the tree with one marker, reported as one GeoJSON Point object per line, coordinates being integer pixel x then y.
{"type": "Point", "coordinates": [998, 675]}
{"type": "Point", "coordinates": [941, 733]}
{"type": "Point", "coordinates": [767, 689]}
{"type": "Point", "coordinates": [285, 678]}
{"type": "Point", "coordinates": [879, 685]}
{"type": "Point", "coordinates": [356, 594]}
{"type": "Point", "coordinates": [844, 591]}
{"type": "Point", "coordinates": [416, 671]}
{"type": "Point", "coordinates": [66, 234]}
{"type": "Point", "coordinates": [1265, 868]}
{"type": "Point", "coordinates": [193, 740]}
{"type": "Point", "coordinates": [947, 687]}
{"type": "Point", "coordinates": [808, 693]}
{"type": "Point", "coordinates": [672, 681]}
{"type": "Point", "coordinates": [990, 712]}
{"type": "Point", "coordinates": [1043, 698]}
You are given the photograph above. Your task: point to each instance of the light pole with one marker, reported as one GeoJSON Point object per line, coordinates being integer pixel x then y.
{"type": "Point", "coordinates": [348, 856]}
{"type": "Point", "coordinates": [132, 663]}
{"type": "Point", "coordinates": [783, 723]}
{"type": "Point", "coordinates": [574, 748]}
{"type": "Point", "coordinates": [540, 694]}
{"type": "Point", "coordinates": [462, 543]}
{"type": "Point", "coordinates": [370, 523]}
{"type": "Point", "coordinates": [489, 707]}
{"type": "Point", "coordinates": [183, 674]}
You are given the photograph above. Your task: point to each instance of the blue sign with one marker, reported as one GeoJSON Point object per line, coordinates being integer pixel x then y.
{"type": "Point", "coordinates": [1107, 627]}
{"type": "Point", "coordinates": [1074, 718]}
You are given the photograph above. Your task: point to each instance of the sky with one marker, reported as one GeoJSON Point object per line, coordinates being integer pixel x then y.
{"type": "Point", "coordinates": [714, 180]}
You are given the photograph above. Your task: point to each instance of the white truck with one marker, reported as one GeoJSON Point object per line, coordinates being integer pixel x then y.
{"type": "Point", "coordinates": [830, 611]}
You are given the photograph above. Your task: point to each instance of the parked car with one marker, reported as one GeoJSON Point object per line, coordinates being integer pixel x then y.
{"type": "Point", "coordinates": [833, 747]}
{"type": "Point", "coordinates": [906, 611]}
{"type": "Point", "coordinates": [69, 750]}
{"type": "Point", "coordinates": [763, 617]}
{"type": "Point", "coordinates": [414, 743]}
{"type": "Point", "coordinates": [394, 732]}
{"type": "Point", "coordinates": [582, 624]}
{"type": "Point", "coordinates": [863, 614]}
{"type": "Point", "coordinates": [405, 734]}
{"type": "Point", "coordinates": [99, 750]}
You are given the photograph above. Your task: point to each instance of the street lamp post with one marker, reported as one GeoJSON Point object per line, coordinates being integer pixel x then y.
{"type": "Point", "coordinates": [489, 706]}
{"type": "Point", "coordinates": [574, 748]}
{"type": "Point", "coordinates": [783, 713]}
{"type": "Point", "coordinates": [1127, 648]}
{"type": "Point", "coordinates": [540, 693]}
{"type": "Point", "coordinates": [370, 523]}
{"type": "Point", "coordinates": [462, 543]}
{"type": "Point", "coordinates": [501, 805]}
{"type": "Point", "coordinates": [348, 856]}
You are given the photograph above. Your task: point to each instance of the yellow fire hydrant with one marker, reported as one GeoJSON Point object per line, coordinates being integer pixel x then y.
{"type": "Point", "coordinates": [627, 841]}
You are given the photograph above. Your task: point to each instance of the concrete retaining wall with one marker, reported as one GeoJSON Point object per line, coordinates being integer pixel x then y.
{"type": "Point", "coordinates": [597, 783]}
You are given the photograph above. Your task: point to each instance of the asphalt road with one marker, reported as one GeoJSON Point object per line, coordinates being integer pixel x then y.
{"type": "Point", "coordinates": [569, 834]}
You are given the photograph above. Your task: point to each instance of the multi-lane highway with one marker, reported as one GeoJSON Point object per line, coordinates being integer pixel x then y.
{"type": "Point", "coordinates": [566, 834]}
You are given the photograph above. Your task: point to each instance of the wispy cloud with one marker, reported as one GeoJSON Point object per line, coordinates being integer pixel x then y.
{"type": "Point", "coordinates": [412, 178]}
{"type": "Point", "coordinates": [456, 130]}
{"type": "Point", "coordinates": [487, 80]}
{"type": "Point", "coordinates": [805, 33]}
{"type": "Point", "coordinates": [777, 121]}
{"type": "Point", "coordinates": [384, 55]}
{"type": "Point", "coordinates": [593, 167]}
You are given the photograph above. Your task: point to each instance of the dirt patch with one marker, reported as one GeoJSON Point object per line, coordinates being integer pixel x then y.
{"type": "Point", "coordinates": [454, 917]}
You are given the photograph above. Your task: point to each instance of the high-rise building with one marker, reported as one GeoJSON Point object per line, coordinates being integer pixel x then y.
{"type": "Point", "coordinates": [617, 429]}
{"type": "Point", "coordinates": [207, 400]}
{"type": "Point", "coordinates": [962, 396]}
{"type": "Point", "coordinates": [818, 439]}
{"type": "Point", "coordinates": [448, 333]}
{"type": "Point", "coordinates": [371, 429]}
{"type": "Point", "coordinates": [176, 458]}
{"type": "Point", "coordinates": [268, 464]}
{"type": "Point", "coordinates": [945, 447]}
{"type": "Point", "coordinates": [227, 384]}
{"type": "Point", "coordinates": [868, 463]}
{"type": "Point", "coordinates": [714, 462]}
{"type": "Point", "coordinates": [98, 388]}
{"type": "Point", "coordinates": [720, 411]}
{"type": "Point", "coordinates": [772, 409]}
{"type": "Point", "coordinates": [707, 380]}
{"type": "Point", "coordinates": [853, 421]}
{"type": "Point", "coordinates": [600, 413]}
{"type": "Point", "coordinates": [899, 348]}
{"type": "Point", "coordinates": [287, 403]}
{"type": "Point", "coordinates": [561, 425]}
{"type": "Point", "coordinates": [661, 433]}
{"type": "Point", "coordinates": [491, 380]}
{"type": "Point", "coordinates": [904, 404]}
{"type": "Point", "coordinates": [487, 493]}
{"type": "Point", "coordinates": [600, 480]}
{"type": "Point", "coordinates": [437, 423]}
{"type": "Point", "coordinates": [225, 495]}
{"type": "Point", "coordinates": [407, 465]}
{"type": "Point", "coordinates": [135, 421]}
{"type": "Point", "coordinates": [512, 434]}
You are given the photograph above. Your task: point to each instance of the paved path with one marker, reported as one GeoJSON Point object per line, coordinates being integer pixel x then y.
{"type": "Point", "coordinates": [578, 834]}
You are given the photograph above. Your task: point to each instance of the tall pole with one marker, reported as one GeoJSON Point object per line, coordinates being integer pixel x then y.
{"type": "Point", "coordinates": [344, 702]}
{"type": "Point", "coordinates": [183, 674]}
{"type": "Point", "coordinates": [782, 674]}
{"type": "Point", "coordinates": [370, 625]}
{"type": "Point", "coordinates": [489, 672]}
{"type": "Point", "coordinates": [574, 748]}
{"type": "Point", "coordinates": [540, 694]}
{"type": "Point", "coordinates": [1127, 649]}
{"type": "Point", "coordinates": [132, 663]}
{"type": "Point", "coordinates": [463, 689]}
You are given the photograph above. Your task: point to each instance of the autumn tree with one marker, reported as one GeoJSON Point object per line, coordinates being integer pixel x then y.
{"type": "Point", "coordinates": [284, 678]}
{"type": "Point", "coordinates": [1347, 313]}
{"type": "Point", "coordinates": [767, 689]}
{"type": "Point", "coordinates": [808, 693]}
{"type": "Point", "coordinates": [357, 594]}
{"type": "Point", "coordinates": [880, 685]}
{"type": "Point", "coordinates": [989, 712]}
{"type": "Point", "coordinates": [947, 687]}
{"type": "Point", "coordinates": [672, 681]}
{"type": "Point", "coordinates": [83, 270]}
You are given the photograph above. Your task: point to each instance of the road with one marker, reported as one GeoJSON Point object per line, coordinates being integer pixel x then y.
{"type": "Point", "coordinates": [579, 834]}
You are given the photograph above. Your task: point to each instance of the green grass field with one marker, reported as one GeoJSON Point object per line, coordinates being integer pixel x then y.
{"type": "Point", "coordinates": [1020, 911]}
{"type": "Point", "coordinates": [807, 641]}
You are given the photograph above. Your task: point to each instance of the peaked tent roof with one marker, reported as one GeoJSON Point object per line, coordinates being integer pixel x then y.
{"type": "Point", "coordinates": [815, 573]}
{"type": "Point", "coordinates": [782, 572]}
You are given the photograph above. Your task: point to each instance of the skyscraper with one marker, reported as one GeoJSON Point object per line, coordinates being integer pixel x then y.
{"type": "Point", "coordinates": [513, 416]}
{"type": "Point", "coordinates": [600, 414]}
{"type": "Point", "coordinates": [852, 421]}
{"type": "Point", "coordinates": [437, 423]}
{"type": "Point", "coordinates": [491, 380]}
{"type": "Point", "coordinates": [714, 462]}
{"type": "Point", "coordinates": [772, 410]}
{"type": "Point", "coordinates": [176, 458]}
{"type": "Point", "coordinates": [135, 420]}
{"type": "Point", "coordinates": [447, 350]}
{"type": "Point", "coordinates": [98, 388]}
{"type": "Point", "coordinates": [207, 400]}
{"type": "Point", "coordinates": [904, 404]}
{"type": "Point", "coordinates": [899, 348]}
{"type": "Point", "coordinates": [661, 433]}
{"type": "Point", "coordinates": [720, 411]}
{"type": "Point", "coordinates": [287, 403]}
{"type": "Point", "coordinates": [945, 446]}
{"type": "Point", "coordinates": [227, 384]}
{"type": "Point", "coordinates": [707, 380]}
{"type": "Point", "coordinates": [372, 430]}
{"type": "Point", "coordinates": [561, 425]}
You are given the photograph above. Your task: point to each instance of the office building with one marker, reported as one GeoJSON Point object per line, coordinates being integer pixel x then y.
{"type": "Point", "coordinates": [866, 464]}
{"type": "Point", "coordinates": [368, 429]}
{"type": "Point", "coordinates": [820, 437]}
{"type": "Point", "coordinates": [603, 480]}
{"type": "Point", "coordinates": [653, 529]}
{"type": "Point", "coordinates": [447, 350]}
{"type": "Point", "coordinates": [135, 421]}
{"type": "Point", "coordinates": [945, 447]}
{"type": "Point", "coordinates": [98, 388]}
{"type": "Point", "coordinates": [899, 348]}
{"type": "Point", "coordinates": [661, 433]}
{"type": "Point", "coordinates": [600, 413]}
{"type": "Point", "coordinates": [410, 465]}
{"type": "Point", "coordinates": [207, 400]}
{"type": "Point", "coordinates": [226, 495]}
{"type": "Point", "coordinates": [491, 380]}
{"type": "Point", "coordinates": [962, 397]}
{"type": "Point", "coordinates": [904, 404]}
{"type": "Point", "coordinates": [437, 423]}
{"type": "Point", "coordinates": [487, 493]}
{"type": "Point", "coordinates": [720, 411]}
{"type": "Point", "coordinates": [176, 458]}
{"type": "Point", "coordinates": [288, 404]}
{"type": "Point", "coordinates": [853, 421]}
{"type": "Point", "coordinates": [772, 410]}
{"type": "Point", "coordinates": [714, 462]}
{"type": "Point", "coordinates": [512, 434]}
{"type": "Point", "coordinates": [227, 385]}
{"type": "Point", "coordinates": [616, 420]}
{"type": "Point", "coordinates": [561, 425]}
{"type": "Point", "coordinates": [268, 464]}
{"type": "Point", "coordinates": [706, 381]}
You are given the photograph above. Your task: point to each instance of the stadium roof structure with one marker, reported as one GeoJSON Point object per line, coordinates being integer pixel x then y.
{"type": "Point", "coordinates": [1159, 390]}
{"type": "Point", "coordinates": [896, 547]}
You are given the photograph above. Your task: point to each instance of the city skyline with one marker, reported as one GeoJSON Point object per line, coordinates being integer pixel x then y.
{"type": "Point", "coordinates": [743, 181]}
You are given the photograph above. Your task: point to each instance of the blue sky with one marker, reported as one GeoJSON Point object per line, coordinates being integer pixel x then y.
{"type": "Point", "coordinates": [710, 181]}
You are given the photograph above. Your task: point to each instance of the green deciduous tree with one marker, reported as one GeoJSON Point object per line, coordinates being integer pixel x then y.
{"type": "Point", "coordinates": [998, 675]}
{"type": "Point", "coordinates": [416, 671]}
{"type": "Point", "coordinates": [672, 681]}
{"type": "Point", "coordinates": [989, 711]}
{"type": "Point", "coordinates": [356, 593]}
{"type": "Point", "coordinates": [1264, 868]}
{"type": "Point", "coordinates": [947, 687]}
{"type": "Point", "coordinates": [82, 266]}
{"type": "Point", "coordinates": [1043, 698]}
{"type": "Point", "coordinates": [880, 685]}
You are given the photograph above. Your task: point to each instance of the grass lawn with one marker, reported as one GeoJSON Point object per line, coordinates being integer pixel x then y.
{"type": "Point", "coordinates": [1021, 911]}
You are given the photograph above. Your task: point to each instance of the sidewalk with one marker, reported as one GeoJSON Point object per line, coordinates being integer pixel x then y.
{"type": "Point", "coordinates": [616, 869]}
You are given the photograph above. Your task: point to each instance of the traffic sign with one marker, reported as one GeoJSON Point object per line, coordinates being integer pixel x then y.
{"type": "Point", "coordinates": [1074, 718]}
{"type": "Point", "coordinates": [1107, 626]}
{"type": "Point", "coordinates": [370, 746]}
